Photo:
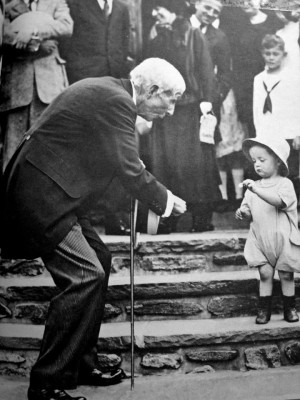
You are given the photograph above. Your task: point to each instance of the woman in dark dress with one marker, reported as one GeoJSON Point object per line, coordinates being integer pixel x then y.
{"type": "Point", "coordinates": [178, 158]}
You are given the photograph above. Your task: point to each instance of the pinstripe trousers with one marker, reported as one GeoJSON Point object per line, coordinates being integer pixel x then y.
{"type": "Point", "coordinates": [80, 267]}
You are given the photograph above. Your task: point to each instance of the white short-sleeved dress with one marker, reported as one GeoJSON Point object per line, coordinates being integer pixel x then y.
{"type": "Point", "coordinates": [273, 237]}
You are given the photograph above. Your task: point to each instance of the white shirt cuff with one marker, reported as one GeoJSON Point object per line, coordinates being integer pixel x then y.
{"type": "Point", "coordinates": [170, 204]}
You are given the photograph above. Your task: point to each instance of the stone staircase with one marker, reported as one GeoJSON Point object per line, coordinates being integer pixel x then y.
{"type": "Point", "coordinates": [195, 301]}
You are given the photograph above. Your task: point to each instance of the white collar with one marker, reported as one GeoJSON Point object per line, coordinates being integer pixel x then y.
{"type": "Point", "coordinates": [195, 21]}
{"type": "Point", "coordinates": [133, 92]}
{"type": "Point", "coordinates": [197, 24]}
{"type": "Point", "coordinates": [109, 2]}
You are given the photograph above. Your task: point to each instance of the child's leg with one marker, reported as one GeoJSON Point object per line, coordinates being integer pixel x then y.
{"type": "Point", "coordinates": [266, 273]}
{"type": "Point", "coordinates": [287, 283]}
{"type": "Point", "coordinates": [288, 295]}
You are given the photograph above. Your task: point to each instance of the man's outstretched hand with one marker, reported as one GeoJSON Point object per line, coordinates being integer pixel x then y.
{"type": "Point", "coordinates": [179, 206]}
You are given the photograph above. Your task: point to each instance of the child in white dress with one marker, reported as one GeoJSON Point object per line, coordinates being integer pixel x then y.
{"type": "Point", "coordinates": [273, 242]}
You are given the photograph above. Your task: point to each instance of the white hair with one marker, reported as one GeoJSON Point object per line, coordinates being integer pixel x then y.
{"type": "Point", "coordinates": [159, 72]}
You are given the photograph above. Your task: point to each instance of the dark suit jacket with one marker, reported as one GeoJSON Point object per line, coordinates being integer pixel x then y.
{"type": "Point", "coordinates": [97, 47]}
{"type": "Point", "coordinates": [81, 142]}
{"type": "Point", "coordinates": [220, 54]}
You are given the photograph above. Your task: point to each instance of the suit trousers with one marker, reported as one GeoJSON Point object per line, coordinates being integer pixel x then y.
{"type": "Point", "coordinates": [80, 267]}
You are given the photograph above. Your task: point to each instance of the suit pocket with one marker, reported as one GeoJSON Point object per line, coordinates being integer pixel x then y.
{"type": "Point", "coordinates": [52, 165]}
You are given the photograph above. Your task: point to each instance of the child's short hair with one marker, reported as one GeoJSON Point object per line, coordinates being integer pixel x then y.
{"type": "Point", "coordinates": [269, 41]}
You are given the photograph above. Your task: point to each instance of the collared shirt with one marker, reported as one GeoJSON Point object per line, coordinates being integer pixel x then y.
{"type": "Point", "coordinates": [196, 24]}
{"type": "Point", "coordinates": [109, 2]}
{"type": "Point", "coordinates": [171, 198]}
{"type": "Point", "coordinates": [284, 121]}
{"type": "Point", "coordinates": [133, 93]}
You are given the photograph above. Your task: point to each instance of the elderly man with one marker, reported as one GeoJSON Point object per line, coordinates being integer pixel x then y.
{"type": "Point", "coordinates": [81, 142]}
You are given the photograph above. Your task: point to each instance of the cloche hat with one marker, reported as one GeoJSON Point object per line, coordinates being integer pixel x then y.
{"type": "Point", "coordinates": [278, 146]}
{"type": "Point", "coordinates": [179, 7]}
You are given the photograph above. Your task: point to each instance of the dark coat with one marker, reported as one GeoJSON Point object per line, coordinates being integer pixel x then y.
{"type": "Point", "coordinates": [220, 54]}
{"type": "Point", "coordinates": [188, 167]}
{"type": "Point", "coordinates": [98, 47]}
{"type": "Point", "coordinates": [84, 139]}
{"type": "Point", "coordinates": [186, 49]}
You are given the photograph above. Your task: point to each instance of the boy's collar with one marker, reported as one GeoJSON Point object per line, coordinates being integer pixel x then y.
{"type": "Point", "coordinates": [133, 92]}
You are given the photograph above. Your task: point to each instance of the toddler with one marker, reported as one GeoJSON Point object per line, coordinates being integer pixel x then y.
{"type": "Point", "coordinates": [273, 242]}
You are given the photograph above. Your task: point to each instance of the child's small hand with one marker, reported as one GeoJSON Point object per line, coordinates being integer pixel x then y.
{"type": "Point", "coordinates": [249, 184]}
{"type": "Point", "coordinates": [243, 213]}
{"type": "Point", "coordinates": [239, 214]}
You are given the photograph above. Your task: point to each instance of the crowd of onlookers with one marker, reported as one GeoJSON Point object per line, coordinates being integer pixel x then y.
{"type": "Point", "coordinates": [241, 66]}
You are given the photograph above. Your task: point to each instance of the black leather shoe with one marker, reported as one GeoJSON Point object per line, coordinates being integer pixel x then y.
{"type": "Point", "coordinates": [291, 315]}
{"type": "Point", "coordinates": [263, 317]}
{"type": "Point", "coordinates": [264, 310]}
{"type": "Point", "coordinates": [51, 394]}
{"type": "Point", "coordinates": [98, 378]}
{"type": "Point", "coordinates": [289, 309]}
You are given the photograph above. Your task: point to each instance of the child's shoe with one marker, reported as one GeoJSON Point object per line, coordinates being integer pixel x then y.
{"type": "Point", "coordinates": [289, 309]}
{"type": "Point", "coordinates": [264, 310]}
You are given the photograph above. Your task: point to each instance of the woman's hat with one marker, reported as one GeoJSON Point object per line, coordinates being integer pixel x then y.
{"type": "Point", "coordinates": [179, 7]}
{"type": "Point", "coordinates": [280, 147]}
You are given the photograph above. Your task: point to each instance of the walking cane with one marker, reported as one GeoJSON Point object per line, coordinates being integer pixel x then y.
{"type": "Point", "coordinates": [133, 217]}
{"type": "Point", "coordinates": [152, 226]}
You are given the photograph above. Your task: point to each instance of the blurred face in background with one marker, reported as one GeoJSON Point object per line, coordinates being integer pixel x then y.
{"type": "Point", "coordinates": [251, 7]}
{"type": "Point", "coordinates": [207, 11]}
{"type": "Point", "coordinates": [163, 16]}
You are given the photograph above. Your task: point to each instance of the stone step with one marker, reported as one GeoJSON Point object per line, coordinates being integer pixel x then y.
{"type": "Point", "coordinates": [163, 347]}
{"type": "Point", "coordinates": [179, 243]}
{"type": "Point", "coordinates": [217, 251]}
{"type": "Point", "coordinates": [176, 296]}
{"type": "Point", "coordinates": [271, 384]}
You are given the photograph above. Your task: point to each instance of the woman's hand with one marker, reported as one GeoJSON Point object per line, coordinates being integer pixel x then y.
{"type": "Point", "coordinates": [205, 107]}
{"type": "Point", "coordinates": [23, 37]}
{"type": "Point", "coordinates": [296, 143]}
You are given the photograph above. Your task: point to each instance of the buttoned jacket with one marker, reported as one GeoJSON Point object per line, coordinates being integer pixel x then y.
{"type": "Point", "coordinates": [83, 140]}
{"type": "Point", "coordinates": [47, 72]}
{"type": "Point", "coordinates": [99, 46]}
